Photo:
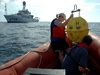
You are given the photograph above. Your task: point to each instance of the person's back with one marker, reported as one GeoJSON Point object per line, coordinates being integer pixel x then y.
{"type": "Point", "coordinates": [80, 55]}
{"type": "Point", "coordinates": [75, 61]}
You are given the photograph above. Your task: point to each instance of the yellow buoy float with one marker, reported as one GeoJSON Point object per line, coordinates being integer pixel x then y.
{"type": "Point", "coordinates": [77, 29]}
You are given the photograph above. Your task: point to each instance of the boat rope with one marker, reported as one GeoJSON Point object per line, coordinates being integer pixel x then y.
{"type": "Point", "coordinates": [4, 67]}
{"type": "Point", "coordinates": [40, 61]}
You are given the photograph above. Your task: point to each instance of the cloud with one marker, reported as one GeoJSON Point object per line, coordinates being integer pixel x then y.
{"type": "Point", "coordinates": [12, 0]}
{"type": "Point", "coordinates": [47, 9]}
{"type": "Point", "coordinates": [1, 10]}
{"type": "Point", "coordinates": [3, 1]}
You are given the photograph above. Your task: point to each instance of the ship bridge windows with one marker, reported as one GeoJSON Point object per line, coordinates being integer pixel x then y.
{"type": "Point", "coordinates": [24, 12]}
{"type": "Point", "coordinates": [13, 19]}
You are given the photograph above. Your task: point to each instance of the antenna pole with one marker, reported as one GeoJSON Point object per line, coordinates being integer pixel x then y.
{"type": "Point", "coordinates": [5, 8]}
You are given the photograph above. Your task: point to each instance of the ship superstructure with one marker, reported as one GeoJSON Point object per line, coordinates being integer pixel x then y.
{"type": "Point", "coordinates": [23, 16]}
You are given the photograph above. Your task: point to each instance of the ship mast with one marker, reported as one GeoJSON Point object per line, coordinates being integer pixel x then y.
{"type": "Point", "coordinates": [5, 8]}
{"type": "Point", "coordinates": [24, 5]}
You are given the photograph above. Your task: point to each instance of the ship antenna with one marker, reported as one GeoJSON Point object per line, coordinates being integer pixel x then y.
{"type": "Point", "coordinates": [24, 5]}
{"type": "Point", "coordinates": [5, 8]}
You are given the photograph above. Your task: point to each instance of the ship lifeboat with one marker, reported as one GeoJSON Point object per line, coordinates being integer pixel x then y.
{"type": "Point", "coordinates": [44, 57]}
{"type": "Point", "coordinates": [18, 13]}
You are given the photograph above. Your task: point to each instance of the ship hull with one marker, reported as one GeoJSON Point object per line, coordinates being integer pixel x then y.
{"type": "Point", "coordinates": [19, 19]}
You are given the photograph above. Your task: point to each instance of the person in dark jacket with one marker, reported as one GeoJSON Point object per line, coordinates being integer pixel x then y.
{"type": "Point", "coordinates": [75, 61]}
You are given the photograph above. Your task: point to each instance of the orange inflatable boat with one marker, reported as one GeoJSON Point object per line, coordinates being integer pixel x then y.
{"type": "Point", "coordinates": [44, 57]}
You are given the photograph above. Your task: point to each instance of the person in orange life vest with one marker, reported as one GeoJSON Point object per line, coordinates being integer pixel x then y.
{"type": "Point", "coordinates": [58, 41]}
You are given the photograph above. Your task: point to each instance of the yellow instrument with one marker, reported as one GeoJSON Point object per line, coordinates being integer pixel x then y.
{"type": "Point", "coordinates": [77, 29]}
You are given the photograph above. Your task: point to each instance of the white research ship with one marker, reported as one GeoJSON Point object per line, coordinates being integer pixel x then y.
{"type": "Point", "coordinates": [23, 16]}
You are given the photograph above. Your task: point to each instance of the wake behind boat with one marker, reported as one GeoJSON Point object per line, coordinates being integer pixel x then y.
{"type": "Point", "coordinates": [23, 16]}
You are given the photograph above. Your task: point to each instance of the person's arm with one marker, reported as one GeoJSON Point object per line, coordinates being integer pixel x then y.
{"type": "Point", "coordinates": [59, 24]}
{"type": "Point", "coordinates": [84, 70]}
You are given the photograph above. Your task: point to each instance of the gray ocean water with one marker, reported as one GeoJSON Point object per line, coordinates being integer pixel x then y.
{"type": "Point", "coordinates": [17, 39]}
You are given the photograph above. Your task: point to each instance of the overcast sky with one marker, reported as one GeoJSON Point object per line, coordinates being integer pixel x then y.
{"type": "Point", "coordinates": [46, 10]}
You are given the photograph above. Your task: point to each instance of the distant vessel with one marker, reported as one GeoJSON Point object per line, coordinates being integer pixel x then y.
{"type": "Point", "coordinates": [23, 16]}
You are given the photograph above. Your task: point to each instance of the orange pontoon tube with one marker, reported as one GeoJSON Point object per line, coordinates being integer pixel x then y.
{"type": "Point", "coordinates": [45, 57]}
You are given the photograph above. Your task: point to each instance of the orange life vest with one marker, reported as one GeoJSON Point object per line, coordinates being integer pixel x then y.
{"type": "Point", "coordinates": [58, 32]}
